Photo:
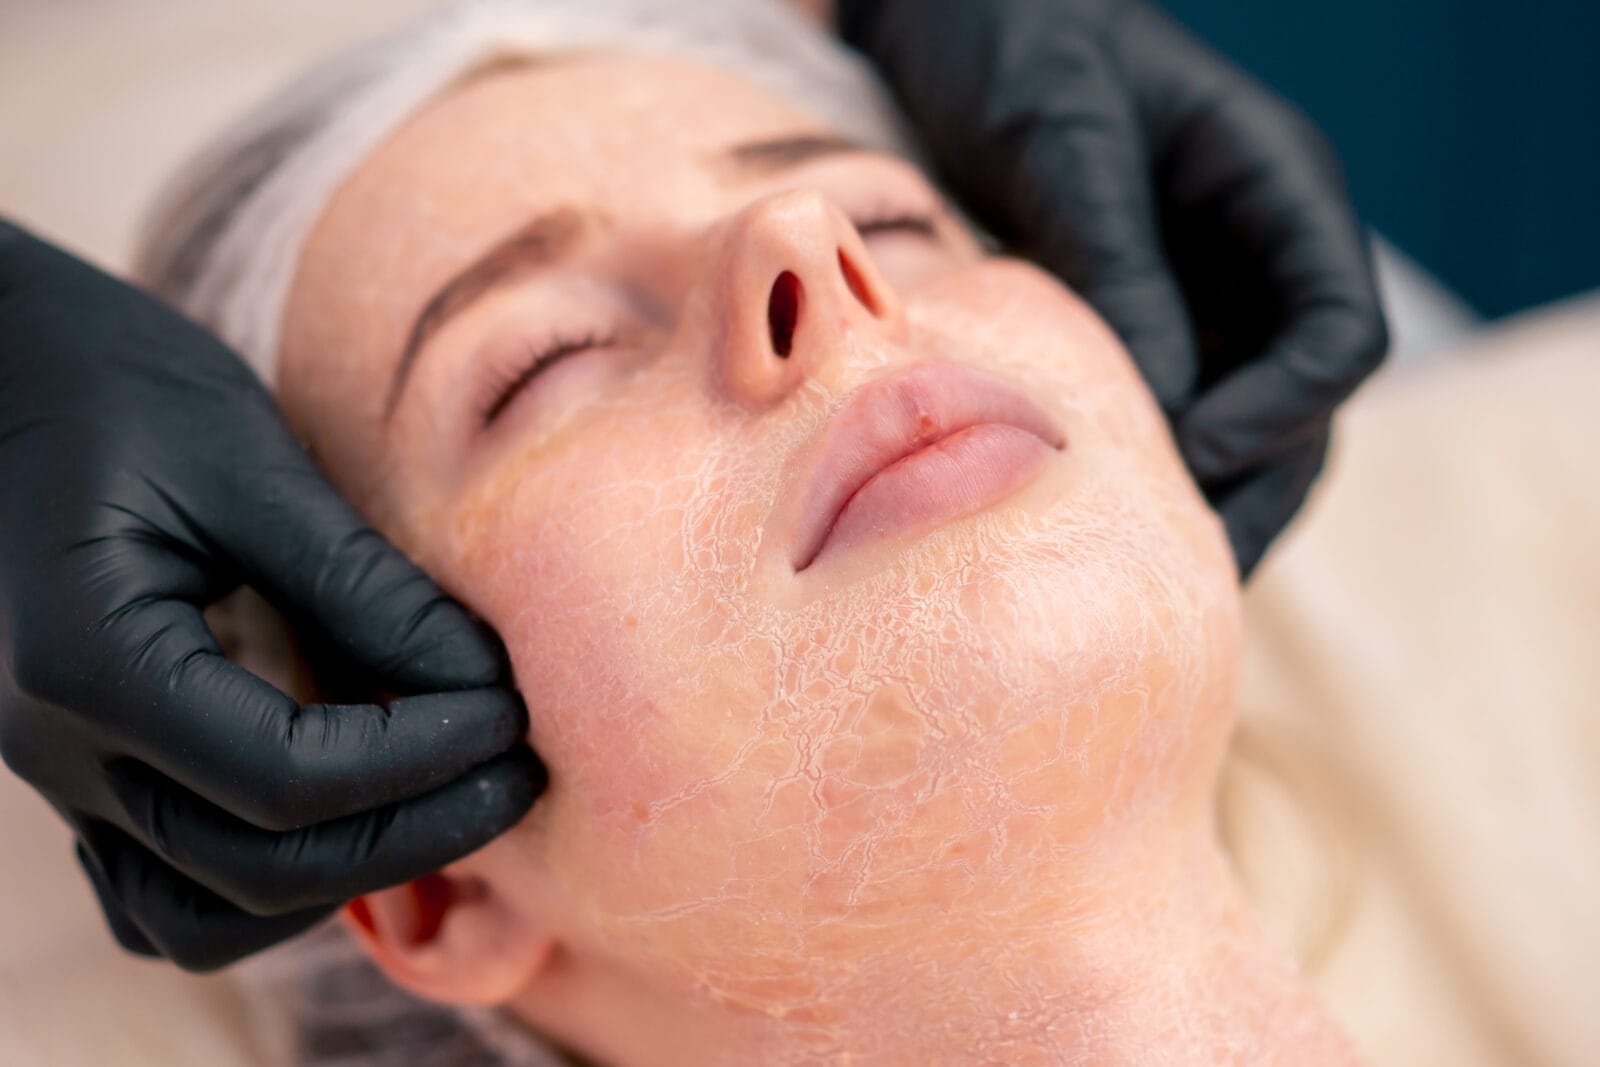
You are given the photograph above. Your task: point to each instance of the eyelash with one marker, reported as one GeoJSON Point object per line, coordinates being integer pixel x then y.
{"type": "Point", "coordinates": [538, 360]}
{"type": "Point", "coordinates": [506, 387]}
{"type": "Point", "coordinates": [897, 221]}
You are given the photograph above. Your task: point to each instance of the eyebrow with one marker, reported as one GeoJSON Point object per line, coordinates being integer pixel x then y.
{"type": "Point", "coordinates": [757, 158]}
{"type": "Point", "coordinates": [551, 237]}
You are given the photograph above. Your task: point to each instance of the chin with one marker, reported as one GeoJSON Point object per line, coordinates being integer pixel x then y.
{"type": "Point", "coordinates": [1093, 654]}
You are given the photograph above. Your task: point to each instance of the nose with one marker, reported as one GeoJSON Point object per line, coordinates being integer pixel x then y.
{"type": "Point", "coordinates": [794, 286]}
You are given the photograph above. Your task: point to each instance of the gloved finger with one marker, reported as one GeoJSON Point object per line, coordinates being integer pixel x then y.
{"type": "Point", "coordinates": [1063, 174]}
{"type": "Point", "coordinates": [305, 548]}
{"type": "Point", "coordinates": [1099, 236]}
{"type": "Point", "coordinates": [248, 748]}
{"type": "Point", "coordinates": [178, 919]}
{"type": "Point", "coordinates": [123, 928]}
{"type": "Point", "coordinates": [1081, 190]}
{"type": "Point", "coordinates": [268, 873]}
{"type": "Point", "coordinates": [1268, 182]}
{"type": "Point", "coordinates": [1256, 507]}
{"type": "Point", "coordinates": [1250, 415]}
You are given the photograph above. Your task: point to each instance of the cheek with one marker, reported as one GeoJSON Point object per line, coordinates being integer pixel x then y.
{"type": "Point", "coordinates": [614, 568]}
{"type": "Point", "coordinates": [573, 562]}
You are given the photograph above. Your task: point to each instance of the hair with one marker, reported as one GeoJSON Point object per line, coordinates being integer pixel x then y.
{"type": "Point", "coordinates": [222, 245]}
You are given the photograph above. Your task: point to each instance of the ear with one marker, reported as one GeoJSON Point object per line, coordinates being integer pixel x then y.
{"type": "Point", "coordinates": [451, 938]}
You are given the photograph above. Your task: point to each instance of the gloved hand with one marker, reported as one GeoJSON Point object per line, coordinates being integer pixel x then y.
{"type": "Point", "coordinates": [144, 473]}
{"type": "Point", "coordinates": [1203, 216]}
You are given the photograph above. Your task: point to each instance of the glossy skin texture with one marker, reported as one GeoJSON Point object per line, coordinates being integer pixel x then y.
{"type": "Point", "coordinates": [771, 791]}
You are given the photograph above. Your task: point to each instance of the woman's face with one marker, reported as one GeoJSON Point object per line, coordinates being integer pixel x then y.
{"type": "Point", "coordinates": [776, 754]}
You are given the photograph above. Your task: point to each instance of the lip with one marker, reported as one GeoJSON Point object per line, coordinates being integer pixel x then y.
{"type": "Point", "coordinates": [896, 422]}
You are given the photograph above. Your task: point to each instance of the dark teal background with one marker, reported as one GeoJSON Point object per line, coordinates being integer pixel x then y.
{"type": "Point", "coordinates": [1470, 129]}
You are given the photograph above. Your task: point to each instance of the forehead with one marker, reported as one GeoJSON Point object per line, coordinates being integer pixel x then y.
{"type": "Point", "coordinates": [629, 135]}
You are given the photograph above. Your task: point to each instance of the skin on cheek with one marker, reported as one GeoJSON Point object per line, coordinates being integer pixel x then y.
{"type": "Point", "coordinates": [574, 559]}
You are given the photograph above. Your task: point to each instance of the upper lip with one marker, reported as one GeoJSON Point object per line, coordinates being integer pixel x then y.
{"type": "Point", "coordinates": [893, 417]}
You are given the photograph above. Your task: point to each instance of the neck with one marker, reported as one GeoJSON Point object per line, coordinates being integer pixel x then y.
{"type": "Point", "coordinates": [1161, 964]}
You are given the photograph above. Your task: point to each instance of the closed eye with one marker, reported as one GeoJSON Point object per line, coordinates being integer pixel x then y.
{"type": "Point", "coordinates": [906, 222]}
{"type": "Point", "coordinates": [536, 361]}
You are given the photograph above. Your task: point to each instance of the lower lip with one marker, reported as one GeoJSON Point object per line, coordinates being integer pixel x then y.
{"type": "Point", "coordinates": [955, 476]}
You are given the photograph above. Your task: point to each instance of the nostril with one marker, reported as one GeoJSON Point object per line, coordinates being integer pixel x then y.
{"type": "Point", "coordinates": [857, 284]}
{"type": "Point", "coordinates": [783, 311]}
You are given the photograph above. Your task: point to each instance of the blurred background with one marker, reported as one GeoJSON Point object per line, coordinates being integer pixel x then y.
{"type": "Point", "coordinates": [1470, 129]}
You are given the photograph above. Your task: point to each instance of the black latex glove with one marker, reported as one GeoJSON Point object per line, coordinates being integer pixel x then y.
{"type": "Point", "coordinates": [144, 473]}
{"type": "Point", "coordinates": [1204, 217]}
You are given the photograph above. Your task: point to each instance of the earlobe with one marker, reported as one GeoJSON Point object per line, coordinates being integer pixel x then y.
{"type": "Point", "coordinates": [450, 938]}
